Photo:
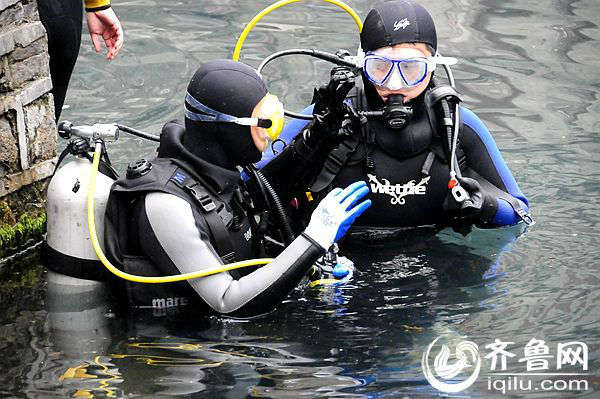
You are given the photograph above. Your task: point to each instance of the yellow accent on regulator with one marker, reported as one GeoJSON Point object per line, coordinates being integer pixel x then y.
{"type": "Point", "coordinates": [145, 279]}
{"type": "Point", "coordinates": [279, 4]}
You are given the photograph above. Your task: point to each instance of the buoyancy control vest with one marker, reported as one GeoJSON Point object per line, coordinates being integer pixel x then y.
{"type": "Point", "coordinates": [406, 169]}
{"type": "Point", "coordinates": [219, 215]}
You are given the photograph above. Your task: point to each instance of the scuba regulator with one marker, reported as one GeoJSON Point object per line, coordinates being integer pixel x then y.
{"type": "Point", "coordinates": [395, 114]}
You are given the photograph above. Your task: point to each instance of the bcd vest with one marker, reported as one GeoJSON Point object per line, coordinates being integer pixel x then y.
{"type": "Point", "coordinates": [218, 214]}
{"type": "Point", "coordinates": [357, 147]}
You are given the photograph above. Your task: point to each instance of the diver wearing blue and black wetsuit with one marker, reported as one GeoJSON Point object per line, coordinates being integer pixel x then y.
{"type": "Point", "coordinates": [407, 167]}
{"type": "Point", "coordinates": [403, 195]}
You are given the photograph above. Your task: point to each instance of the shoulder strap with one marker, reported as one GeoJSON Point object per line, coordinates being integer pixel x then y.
{"type": "Point", "coordinates": [338, 157]}
{"type": "Point", "coordinates": [186, 185]}
{"type": "Point", "coordinates": [334, 163]}
{"type": "Point", "coordinates": [216, 224]}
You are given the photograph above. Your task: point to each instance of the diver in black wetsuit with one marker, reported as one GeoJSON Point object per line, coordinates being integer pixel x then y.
{"type": "Point", "coordinates": [188, 209]}
{"type": "Point", "coordinates": [404, 153]}
{"type": "Point", "coordinates": [62, 20]}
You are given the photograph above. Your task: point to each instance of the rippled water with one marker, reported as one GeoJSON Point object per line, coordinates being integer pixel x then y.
{"type": "Point", "coordinates": [530, 69]}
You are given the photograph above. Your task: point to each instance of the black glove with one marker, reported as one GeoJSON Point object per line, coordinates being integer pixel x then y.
{"type": "Point", "coordinates": [331, 113]}
{"type": "Point", "coordinates": [477, 209]}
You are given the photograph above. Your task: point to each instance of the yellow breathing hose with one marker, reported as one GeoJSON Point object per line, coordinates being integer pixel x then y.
{"type": "Point", "coordinates": [145, 279]}
{"type": "Point", "coordinates": [279, 4]}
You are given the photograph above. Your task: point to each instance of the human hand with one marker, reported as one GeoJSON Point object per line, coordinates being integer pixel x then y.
{"type": "Point", "coordinates": [330, 109]}
{"type": "Point", "coordinates": [336, 213]}
{"type": "Point", "coordinates": [105, 24]}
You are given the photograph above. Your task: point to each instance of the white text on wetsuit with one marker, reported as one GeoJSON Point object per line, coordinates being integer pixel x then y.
{"type": "Point", "coordinates": [398, 191]}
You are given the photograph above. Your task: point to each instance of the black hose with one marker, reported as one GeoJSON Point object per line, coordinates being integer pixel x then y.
{"type": "Point", "coordinates": [252, 171]}
{"type": "Point", "coordinates": [298, 116]}
{"type": "Point", "coordinates": [323, 55]}
{"type": "Point", "coordinates": [286, 229]}
{"type": "Point", "coordinates": [138, 133]}
{"type": "Point", "coordinates": [447, 116]}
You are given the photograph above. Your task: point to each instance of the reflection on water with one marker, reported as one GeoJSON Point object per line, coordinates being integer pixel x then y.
{"type": "Point", "coordinates": [529, 69]}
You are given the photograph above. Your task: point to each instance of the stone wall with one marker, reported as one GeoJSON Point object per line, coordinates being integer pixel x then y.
{"type": "Point", "coordinates": [27, 128]}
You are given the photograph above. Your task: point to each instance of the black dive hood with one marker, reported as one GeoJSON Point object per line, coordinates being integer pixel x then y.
{"type": "Point", "coordinates": [171, 146]}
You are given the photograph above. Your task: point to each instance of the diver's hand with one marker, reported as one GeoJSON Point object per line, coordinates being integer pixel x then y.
{"type": "Point", "coordinates": [330, 109]}
{"type": "Point", "coordinates": [336, 213]}
{"type": "Point", "coordinates": [330, 98]}
{"type": "Point", "coordinates": [106, 25]}
{"type": "Point", "coordinates": [471, 209]}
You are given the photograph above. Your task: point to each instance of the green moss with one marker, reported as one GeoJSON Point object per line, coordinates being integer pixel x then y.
{"type": "Point", "coordinates": [28, 227]}
{"type": "Point", "coordinates": [6, 215]}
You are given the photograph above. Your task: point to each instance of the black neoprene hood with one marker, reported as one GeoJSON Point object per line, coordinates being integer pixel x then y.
{"type": "Point", "coordinates": [395, 22]}
{"type": "Point", "coordinates": [232, 88]}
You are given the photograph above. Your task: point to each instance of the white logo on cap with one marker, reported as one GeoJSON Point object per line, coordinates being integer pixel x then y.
{"type": "Point", "coordinates": [403, 23]}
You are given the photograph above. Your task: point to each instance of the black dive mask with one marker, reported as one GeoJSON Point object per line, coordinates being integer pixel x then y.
{"type": "Point", "coordinates": [395, 114]}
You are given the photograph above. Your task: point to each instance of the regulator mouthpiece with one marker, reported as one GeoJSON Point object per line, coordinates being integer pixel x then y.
{"type": "Point", "coordinates": [395, 113]}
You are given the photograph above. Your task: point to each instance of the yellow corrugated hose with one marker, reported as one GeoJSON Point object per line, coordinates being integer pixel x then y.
{"type": "Point", "coordinates": [279, 4]}
{"type": "Point", "coordinates": [145, 279]}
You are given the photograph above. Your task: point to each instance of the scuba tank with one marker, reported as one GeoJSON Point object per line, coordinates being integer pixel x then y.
{"type": "Point", "coordinates": [68, 247]}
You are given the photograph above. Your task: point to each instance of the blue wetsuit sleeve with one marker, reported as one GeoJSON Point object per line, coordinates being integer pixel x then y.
{"type": "Point", "coordinates": [483, 157]}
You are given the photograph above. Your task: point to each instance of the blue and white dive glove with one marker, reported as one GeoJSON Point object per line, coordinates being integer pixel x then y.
{"type": "Point", "coordinates": [336, 213]}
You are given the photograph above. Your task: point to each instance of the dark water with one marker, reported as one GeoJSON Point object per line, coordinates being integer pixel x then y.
{"type": "Point", "coordinates": [530, 69]}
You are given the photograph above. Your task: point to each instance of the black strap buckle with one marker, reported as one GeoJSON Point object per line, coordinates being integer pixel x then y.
{"type": "Point", "coordinates": [228, 258]}
{"type": "Point", "coordinates": [205, 202]}
{"type": "Point", "coordinates": [525, 217]}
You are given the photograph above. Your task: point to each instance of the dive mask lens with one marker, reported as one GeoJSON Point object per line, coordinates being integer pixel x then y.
{"type": "Point", "coordinates": [408, 73]}
{"type": "Point", "coordinates": [377, 69]}
{"type": "Point", "coordinates": [413, 71]}
{"type": "Point", "coordinates": [271, 109]}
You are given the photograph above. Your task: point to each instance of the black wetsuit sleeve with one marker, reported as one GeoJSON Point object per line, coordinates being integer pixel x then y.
{"type": "Point", "coordinates": [292, 171]}
{"type": "Point", "coordinates": [485, 164]}
{"type": "Point", "coordinates": [177, 244]}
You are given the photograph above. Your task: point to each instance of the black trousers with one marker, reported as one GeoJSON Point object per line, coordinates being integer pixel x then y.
{"type": "Point", "coordinates": [63, 22]}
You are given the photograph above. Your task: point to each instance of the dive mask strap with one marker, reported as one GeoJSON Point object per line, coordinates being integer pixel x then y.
{"type": "Point", "coordinates": [210, 115]}
{"type": "Point", "coordinates": [438, 59]}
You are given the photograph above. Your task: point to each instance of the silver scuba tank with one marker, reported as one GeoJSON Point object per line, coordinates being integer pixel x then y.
{"type": "Point", "coordinates": [69, 249]}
